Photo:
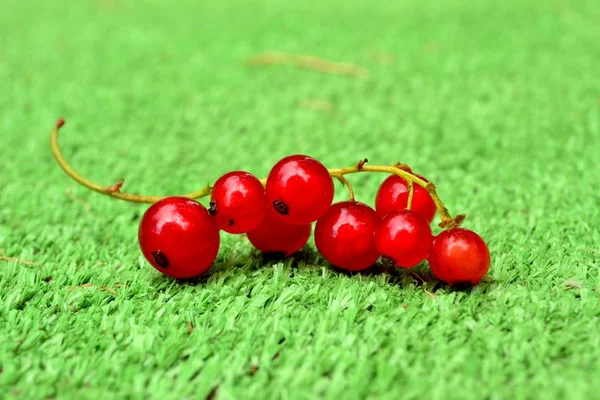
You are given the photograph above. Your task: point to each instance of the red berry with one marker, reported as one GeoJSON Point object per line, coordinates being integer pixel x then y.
{"type": "Point", "coordinates": [238, 202]}
{"type": "Point", "coordinates": [299, 189]}
{"type": "Point", "coordinates": [393, 196]}
{"type": "Point", "coordinates": [276, 236]}
{"type": "Point", "coordinates": [405, 237]}
{"type": "Point", "coordinates": [459, 256]}
{"type": "Point", "coordinates": [178, 237]}
{"type": "Point", "coordinates": [344, 235]}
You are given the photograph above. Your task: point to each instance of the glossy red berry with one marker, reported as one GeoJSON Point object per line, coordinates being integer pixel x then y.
{"type": "Point", "coordinates": [238, 202]}
{"type": "Point", "coordinates": [393, 196]}
{"type": "Point", "coordinates": [178, 237]}
{"type": "Point", "coordinates": [299, 189]}
{"type": "Point", "coordinates": [276, 236]}
{"type": "Point", "coordinates": [404, 237]}
{"type": "Point", "coordinates": [344, 235]}
{"type": "Point", "coordinates": [459, 256]}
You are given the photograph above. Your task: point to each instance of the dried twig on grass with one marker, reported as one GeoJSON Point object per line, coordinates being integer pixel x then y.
{"type": "Point", "coordinates": [572, 284]}
{"type": "Point", "coordinates": [104, 288]}
{"type": "Point", "coordinates": [308, 62]}
{"type": "Point", "coordinates": [318, 105]}
{"type": "Point", "coordinates": [4, 257]}
{"type": "Point", "coordinates": [424, 284]}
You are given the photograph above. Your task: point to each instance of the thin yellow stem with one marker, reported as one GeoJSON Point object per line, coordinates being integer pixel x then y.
{"type": "Point", "coordinates": [347, 183]}
{"type": "Point", "coordinates": [339, 173]}
{"type": "Point", "coordinates": [113, 190]}
{"type": "Point", "coordinates": [411, 194]}
{"type": "Point", "coordinates": [447, 219]}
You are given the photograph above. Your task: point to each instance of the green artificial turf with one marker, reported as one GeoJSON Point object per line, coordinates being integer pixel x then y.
{"type": "Point", "coordinates": [497, 102]}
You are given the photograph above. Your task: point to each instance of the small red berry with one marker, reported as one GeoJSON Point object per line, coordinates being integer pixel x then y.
{"type": "Point", "coordinates": [459, 256]}
{"type": "Point", "coordinates": [344, 235]}
{"type": "Point", "coordinates": [405, 237]}
{"type": "Point", "coordinates": [299, 189]}
{"type": "Point", "coordinates": [393, 196]}
{"type": "Point", "coordinates": [276, 236]}
{"type": "Point", "coordinates": [238, 202]}
{"type": "Point", "coordinates": [178, 237]}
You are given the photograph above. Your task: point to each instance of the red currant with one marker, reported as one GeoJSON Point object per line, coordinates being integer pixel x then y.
{"type": "Point", "coordinates": [459, 256]}
{"type": "Point", "coordinates": [344, 235]}
{"type": "Point", "coordinates": [178, 237]}
{"type": "Point", "coordinates": [276, 236]}
{"type": "Point", "coordinates": [393, 196]}
{"type": "Point", "coordinates": [238, 202]}
{"type": "Point", "coordinates": [405, 237]}
{"type": "Point", "coordinates": [299, 189]}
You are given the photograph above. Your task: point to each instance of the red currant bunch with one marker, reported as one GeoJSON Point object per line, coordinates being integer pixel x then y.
{"type": "Point", "coordinates": [180, 237]}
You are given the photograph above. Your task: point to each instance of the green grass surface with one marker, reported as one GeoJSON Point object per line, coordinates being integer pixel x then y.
{"type": "Point", "coordinates": [496, 102]}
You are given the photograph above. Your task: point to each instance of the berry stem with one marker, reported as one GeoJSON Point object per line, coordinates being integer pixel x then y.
{"type": "Point", "coordinates": [112, 190]}
{"type": "Point", "coordinates": [347, 183]}
{"type": "Point", "coordinates": [411, 194]}
{"type": "Point", "coordinates": [115, 190]}
{"type": "Point", "coordinates": [447, 219]}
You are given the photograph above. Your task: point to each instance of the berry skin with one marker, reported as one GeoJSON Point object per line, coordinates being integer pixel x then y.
{"type": "Point", "coordinates": [459, 256]}
{"type": "Point", "coordinates": [405, 237]}
{"type": "Point", "coordinates": [238, 202]}
{"type": "Point", "coordinates": [344, 235]}
{"type": "Point", "coordinates": [299, 189]}
{"type": "Point", "coordinates": [276, 236]}
{"type": "Point", "coordinates": [178, 237]}
{"type": "Point", "coordinates": [393, 196]}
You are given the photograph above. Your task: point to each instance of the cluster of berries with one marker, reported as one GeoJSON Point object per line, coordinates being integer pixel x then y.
{"type": "Point", "coordinates": [180, 237]}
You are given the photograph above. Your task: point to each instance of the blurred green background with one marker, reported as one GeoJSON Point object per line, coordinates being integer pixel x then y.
{"type": "Point", "coordinates": [498, 103]}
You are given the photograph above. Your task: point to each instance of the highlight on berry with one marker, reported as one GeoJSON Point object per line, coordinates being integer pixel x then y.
{"type": "Point", "coordinates": [180, 237]}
